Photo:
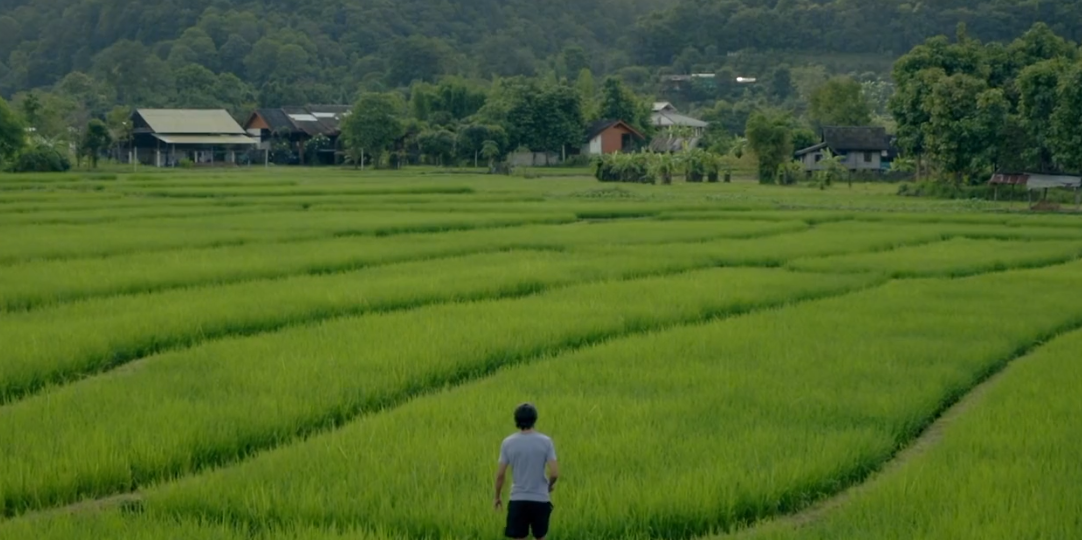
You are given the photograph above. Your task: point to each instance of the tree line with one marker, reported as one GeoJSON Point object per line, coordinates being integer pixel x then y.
{"type": "Point", "coordinates": [236, 54]}
{"type": "Point", "coordinates": [968, 108]}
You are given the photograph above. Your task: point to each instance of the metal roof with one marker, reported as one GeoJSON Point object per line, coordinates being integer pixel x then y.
{"type": "Point", "coordinates": [846, 139]}
{"type": "Point", "coordinates": [1036, 180]}
{"type": "Point", "coordinates": [811, 149]}
{"type": "Point", "coordinates": [190, 121]}
{"type": "Point", "coordinates": [311, 120]}
{"type": "Point", "coordinates": [665, 119]}
{"type": "Point", "coordinates": [206, 140]}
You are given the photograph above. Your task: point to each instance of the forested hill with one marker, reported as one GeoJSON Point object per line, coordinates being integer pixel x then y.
{"type": "Point", "coordinates": [274, 52]}
{"type": "Point", "coordinates": [328, 40]}
{"type": "Point", "coordinates": [704, 29]}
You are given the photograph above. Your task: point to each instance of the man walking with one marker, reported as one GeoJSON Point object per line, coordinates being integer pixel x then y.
{"type": "Point", "coordinates": [527, 453]}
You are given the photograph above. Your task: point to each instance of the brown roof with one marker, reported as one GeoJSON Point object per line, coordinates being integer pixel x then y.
{"type": "Point", "coordinates": [599, 127]}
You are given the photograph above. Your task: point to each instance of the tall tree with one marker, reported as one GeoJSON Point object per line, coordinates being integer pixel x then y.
{"type": "Point", "coordinates": [12, 132]}
{"type": "Point", "coordinates": [619, 103]}
{"type": "Point", "coordinates": [1038, 87]}
{"type": "Point", "coordinates": [769, 134]}
{"type": "Point", "coordinates": [30, 106]}
{"type": "Point", "coordinates": [1066, 137]}
{"type": "Point", "coordinates": [964, 119]}
{"type": "Point", "coordinates": [417, 58]}
{"type": "Point", "coordinates": [574, 60]}
{"type": "Point", "coordinates": [96, 139]}
{"type": "Point", "coordinates": [373, 126]}
{"type": "Point", "coordinates": [839, 102]}
{"type": "Point", "coordinates": [781, 83]}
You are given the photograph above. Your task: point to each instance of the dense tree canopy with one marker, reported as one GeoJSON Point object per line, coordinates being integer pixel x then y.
{"type": "Point", "coordinates": [973, 108]}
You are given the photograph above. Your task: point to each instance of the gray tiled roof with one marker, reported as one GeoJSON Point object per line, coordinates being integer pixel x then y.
{"type": "Point", "coordinates": [845, 139]}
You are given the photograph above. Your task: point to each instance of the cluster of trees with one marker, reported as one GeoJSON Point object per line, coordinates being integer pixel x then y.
{"type": "Point", "coordinates": [300, 52]}
{"type": "Point", "coordinates": [706, 30]}
{"type": "Point", "coordinates": [967, 108]}
{"type": "Point", "coordinates": [94, 54]}
{"type": "Point", "coordinates": [22, 149]}
{"type": "Point", "coordinates": [458, 121]}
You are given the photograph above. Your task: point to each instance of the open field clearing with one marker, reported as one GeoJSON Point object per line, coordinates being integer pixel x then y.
{"type": "Point", "coordinates": [22, 243]}
{"type": "Point", "coordinates": [69, 341]}
{"type": "Point", "coordinates": [140, 424]}
{"type": "Point", "coordinates": [956, 257]}
{"type": "Point", "coordinates": [43, 282]}
{"type": "Point", "coordinates": [293, 354]}
{"type": "Point", "coordinates": [797, 416]}
{"type": "Point", "coordinates": [1006, 468]}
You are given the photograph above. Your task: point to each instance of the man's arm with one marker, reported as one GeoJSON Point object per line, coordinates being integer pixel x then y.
{"type": "Point", "coordinates": [554, 473]}
{"type": "Point", "coordinates": [501, 476]}
{"type": "Point", "coordinates": [554, 468]}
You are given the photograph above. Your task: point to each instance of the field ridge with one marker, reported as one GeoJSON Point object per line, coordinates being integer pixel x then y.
{"type": "Point", "coordinates": [488, 366]}
{"type": "Point", "coordinates": [954, 407]}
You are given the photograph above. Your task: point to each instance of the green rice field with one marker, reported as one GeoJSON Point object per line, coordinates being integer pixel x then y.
{"type": "Point", "coordinates": [292, 354]}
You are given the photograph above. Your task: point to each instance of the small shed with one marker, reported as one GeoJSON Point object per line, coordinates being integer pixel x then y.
{"type": "Point", "coordinates": [1041, 182]}
{"type": "Point", "coordinates": [165, 137]}
{"type": "Point", "coordinates": [863, 148]}
{"type": "Point", "coordinates": [610, 136]}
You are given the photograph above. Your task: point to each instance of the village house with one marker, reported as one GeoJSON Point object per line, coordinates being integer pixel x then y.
{"type": "Point", "coordinates": [610, 136]}
{"type": "Point", "coordinates": [865, 148]}
{"type": "Point", "coordinates": [675, 131]}
{"type": "Point", "coordinates": [299, 125]}
{"type": "Point", "coordinates": [167, 137]}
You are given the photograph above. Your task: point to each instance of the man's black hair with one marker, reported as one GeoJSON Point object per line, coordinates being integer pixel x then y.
{"type": "Point", "coordinates": [525, 416]}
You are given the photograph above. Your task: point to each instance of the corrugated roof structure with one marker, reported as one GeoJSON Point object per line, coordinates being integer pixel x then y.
{"type": "Point", "coordinates": [310, 120]}
{"type": "Point", "coordinates": [849, 139]}
{"type": "Point", "coordinates": [189, 121]}
{"type": "Point", "coordinates": [668, 119]}
{"type": "Point", "coordinates": [211, 140]}
{"type": "Point", "coordinates": [1034, 181]}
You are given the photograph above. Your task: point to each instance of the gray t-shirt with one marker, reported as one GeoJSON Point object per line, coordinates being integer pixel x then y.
{"type": "Point", "coordinates": [527, 454]}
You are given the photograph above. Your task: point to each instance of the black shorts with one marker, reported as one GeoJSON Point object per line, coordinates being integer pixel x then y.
{"type": "Point", "coordinates": [526, 516]}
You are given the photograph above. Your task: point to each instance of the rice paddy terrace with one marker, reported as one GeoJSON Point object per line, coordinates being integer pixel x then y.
{"type": "Point", "coordinates": [330, 355]}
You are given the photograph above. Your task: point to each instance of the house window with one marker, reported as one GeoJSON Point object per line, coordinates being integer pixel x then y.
{"type": "Point", "coordinates": [818, 158]}
{"type": "Point", "coordinates": [625, 140]}
{"type": "Point", "coordinates": [868, 157]}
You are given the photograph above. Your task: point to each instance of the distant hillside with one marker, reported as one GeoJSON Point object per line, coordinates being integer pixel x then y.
{"type": "Point", "coordinates": [238, 53]}
{"type": "Point", "coordinates": [341, 41]}
{"type": "Point", "coordinates": [704, 30]}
